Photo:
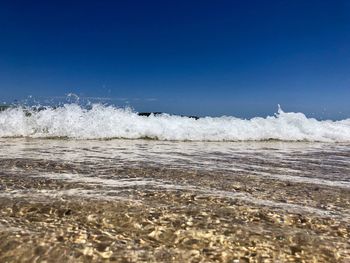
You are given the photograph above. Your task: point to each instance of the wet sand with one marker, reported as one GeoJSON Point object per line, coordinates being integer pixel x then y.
{"type": "Point", "coordinates": [80, 208]}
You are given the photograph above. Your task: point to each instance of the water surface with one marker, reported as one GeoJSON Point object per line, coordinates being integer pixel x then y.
{"type": "Point", "coordinates": [288, 200]}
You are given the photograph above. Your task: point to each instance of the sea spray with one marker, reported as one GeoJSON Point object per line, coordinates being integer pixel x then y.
{"type": "Point", "coordinates": [106, 122]}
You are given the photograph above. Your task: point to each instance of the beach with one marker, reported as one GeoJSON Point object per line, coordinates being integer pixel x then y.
{"type": "Point", "coordinates": [156, 201]}
{"type": "Point", "coordinates": [175, 131]}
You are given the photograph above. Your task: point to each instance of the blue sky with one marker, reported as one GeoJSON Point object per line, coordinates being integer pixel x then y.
{"type": "Point", "coordinates": [237, 58]}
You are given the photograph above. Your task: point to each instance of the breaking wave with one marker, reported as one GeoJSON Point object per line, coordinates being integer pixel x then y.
{"type": "Point", "coordinates": [106, 122]}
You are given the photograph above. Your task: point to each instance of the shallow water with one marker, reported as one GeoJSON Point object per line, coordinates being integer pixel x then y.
{"type": "Point", "coordinates": [287, 179]}
{"type": "Point", "coordinates": [315, 163]}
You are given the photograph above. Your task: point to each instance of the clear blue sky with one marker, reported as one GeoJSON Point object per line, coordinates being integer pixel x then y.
{"type": "Point", "coordinates": [237, 58]}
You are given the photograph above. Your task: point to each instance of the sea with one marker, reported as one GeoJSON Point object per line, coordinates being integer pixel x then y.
{"type": "Point", "coordinates": [286, 163]}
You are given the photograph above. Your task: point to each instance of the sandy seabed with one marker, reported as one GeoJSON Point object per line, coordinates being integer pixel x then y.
{"type": "Point", "coordinates": [50, 211]}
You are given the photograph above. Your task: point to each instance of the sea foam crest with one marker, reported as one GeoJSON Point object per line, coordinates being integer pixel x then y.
{"type": "Point", "coordinates": [103, 122]}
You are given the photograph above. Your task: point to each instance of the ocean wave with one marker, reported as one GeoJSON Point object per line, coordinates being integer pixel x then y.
{"type": "Point", "coordinates": [106, 122]}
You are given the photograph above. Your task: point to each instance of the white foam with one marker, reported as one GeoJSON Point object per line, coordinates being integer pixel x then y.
{"type": "Point", "coordinates": [103, 122]}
